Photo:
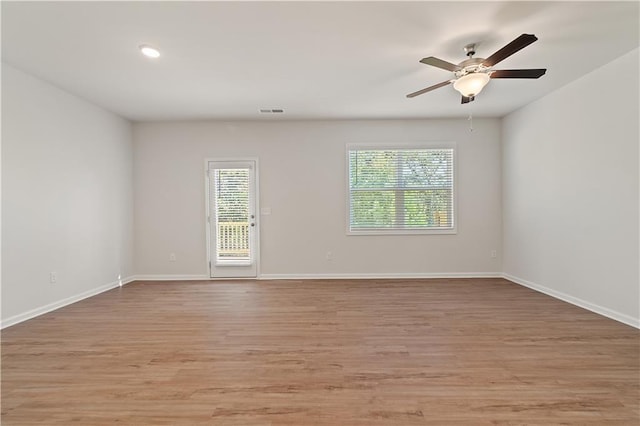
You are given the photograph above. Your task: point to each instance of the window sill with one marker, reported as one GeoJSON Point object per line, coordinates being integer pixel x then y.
{"type": "Point", "coordinates": [403, 232]}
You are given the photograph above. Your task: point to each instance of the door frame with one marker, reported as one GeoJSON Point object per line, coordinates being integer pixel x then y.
{"type": "Point", "coordinates": [207, 222]}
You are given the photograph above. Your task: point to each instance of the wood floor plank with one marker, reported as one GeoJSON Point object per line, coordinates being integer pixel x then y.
{"type": "Point", "coordinates": [321, 352]}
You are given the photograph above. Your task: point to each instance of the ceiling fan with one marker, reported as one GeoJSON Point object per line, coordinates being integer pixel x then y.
{"type": "Point", "coordinates": [471, 75]}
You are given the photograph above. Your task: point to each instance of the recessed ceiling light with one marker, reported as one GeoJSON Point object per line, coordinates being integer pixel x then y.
{"type": "Point", "coordinates": [148, 51]}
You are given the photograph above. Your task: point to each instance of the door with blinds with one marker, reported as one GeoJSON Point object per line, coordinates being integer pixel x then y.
{"type": "Point", "coordinates": [231, 222]}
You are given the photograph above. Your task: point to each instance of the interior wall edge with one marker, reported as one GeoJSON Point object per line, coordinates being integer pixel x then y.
{"type": "Point", "coordinates": [156, 277]}
{"type": "Point", "coordinates": [600, 310]}
{"type": "Point", "coordinates": [427, 275]}
{"type": "Point", "coordinates": [33, 313]}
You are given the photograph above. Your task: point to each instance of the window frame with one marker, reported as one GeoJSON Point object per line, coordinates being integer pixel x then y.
{"type": "Point", "coordinates": [403, 146]}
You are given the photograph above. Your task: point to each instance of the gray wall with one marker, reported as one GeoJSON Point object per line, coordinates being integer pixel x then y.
{"type": "Point", "coordinates": [570, 179]}
{"type": "Point", "coordinates": [66, 197]}
{"type": "Point", "coordinates": [303, 181]}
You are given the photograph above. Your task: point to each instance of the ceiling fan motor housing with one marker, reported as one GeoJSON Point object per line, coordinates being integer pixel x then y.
{"type": "Point", "coordinates": [469, 66]}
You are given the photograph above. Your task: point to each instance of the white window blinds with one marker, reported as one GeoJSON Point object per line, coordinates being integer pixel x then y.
{"type": "Point", "coordinates": [231, 200]}
{"type": "Point", "coordinates": [401, 189]}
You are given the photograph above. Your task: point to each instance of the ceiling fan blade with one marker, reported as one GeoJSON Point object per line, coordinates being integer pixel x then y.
{"type": "Point", "coordinates": [428, 89]}
{"type": "Point", "coordinates": [519, 43]}
{"type": "Point", "coordinates": [467, 99]}
{"type": "Point", "coordinates": [530, 73]}
{"type": "Point", "coordinates": [435, 62]}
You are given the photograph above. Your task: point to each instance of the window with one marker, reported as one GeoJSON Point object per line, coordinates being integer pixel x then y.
{"type": "Point", "coordinates": [401, 190]}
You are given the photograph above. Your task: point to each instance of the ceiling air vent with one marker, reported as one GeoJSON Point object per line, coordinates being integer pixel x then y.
{"type": "Point", "coordinates": [271, 111]}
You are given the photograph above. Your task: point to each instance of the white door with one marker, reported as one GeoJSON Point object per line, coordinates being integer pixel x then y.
{"type": "Point", "coordinates": [232, 224]}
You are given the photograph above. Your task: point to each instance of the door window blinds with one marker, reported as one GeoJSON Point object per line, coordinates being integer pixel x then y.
{"type": "Point", "coordinates": [231, 201]}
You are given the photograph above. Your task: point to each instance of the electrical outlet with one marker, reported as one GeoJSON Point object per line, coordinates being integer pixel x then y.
{"type": "Point", "coordinates": [172, 257]}
{"type": "Point", "coordinates": [53, 277]}
{"type": "Point", "coordinates": [494, 254]}
{"type": "Point", "coordinates": [329, 256]}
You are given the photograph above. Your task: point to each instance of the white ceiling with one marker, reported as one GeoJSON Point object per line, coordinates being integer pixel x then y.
{"type": "Point", "coordinates": [338, 60]}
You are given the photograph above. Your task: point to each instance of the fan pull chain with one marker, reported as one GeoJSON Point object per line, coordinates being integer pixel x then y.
{"type": "Point", "coordinates": [470, 120]}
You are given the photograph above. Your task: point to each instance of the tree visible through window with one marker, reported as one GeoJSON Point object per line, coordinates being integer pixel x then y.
{"type": "Point", "coordinates": [401, 189]}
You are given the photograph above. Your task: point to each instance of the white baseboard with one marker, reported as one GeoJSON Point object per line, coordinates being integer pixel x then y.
{"type": "Point", "coordinates": [60, 303]}
{"type": "Point", "coordinates": [170, 277]}
{"type": "Point", "coordinates": [623, 318]}
{"type": "Point", "coordinates": [326, 276]}
{"type": "Point", "coordinates": [609, 313]}
{"type": "Point", "coordinates": [380, 276]}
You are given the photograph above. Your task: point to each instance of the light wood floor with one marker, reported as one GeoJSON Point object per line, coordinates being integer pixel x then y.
{"type": "Point", "coordinates": [370, 352]}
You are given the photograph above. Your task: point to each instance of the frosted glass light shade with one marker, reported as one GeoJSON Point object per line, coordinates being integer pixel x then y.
{"type": "Point", "coordinates": [471, 84]}
{"type": "Point", "coordinates": [148, 51]}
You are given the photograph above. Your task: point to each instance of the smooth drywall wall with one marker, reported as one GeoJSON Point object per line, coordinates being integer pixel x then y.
{"type": "Point", "coordinates": [67, 197]}
{"type": "Point", "coordinates": [303, 181]}
{"type": "Point", "coordinates": [570, 191]}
